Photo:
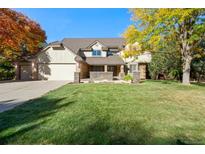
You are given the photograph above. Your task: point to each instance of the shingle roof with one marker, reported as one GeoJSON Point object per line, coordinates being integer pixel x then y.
{"type": "Point", "coordinates": [110, 60]}
{"type": "Point", "coordinates": [76, 43]}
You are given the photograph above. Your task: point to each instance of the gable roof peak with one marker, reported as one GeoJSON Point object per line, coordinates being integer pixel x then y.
{"type": "Point", "coordinates": [76, 43]}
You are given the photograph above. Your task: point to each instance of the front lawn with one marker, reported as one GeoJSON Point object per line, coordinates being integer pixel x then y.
{"type": "Point", "coordinates": [153, 112]}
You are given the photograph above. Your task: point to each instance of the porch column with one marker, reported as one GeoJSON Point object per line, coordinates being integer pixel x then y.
{"type": "Point", "coordinates": [122, 69]}
{"type": "Point", "coordinates": [77, 73]}
{"type": "Point", "coordinates": [122, 72]}
{"type": "Point", "coordinates": [105, 68]}
{"type": "Point", "coordinates": [17, 71]}
{"type": "Point", "coordinates": [77, 67]}
{"type": "Point", "coordinates": [34, 70]}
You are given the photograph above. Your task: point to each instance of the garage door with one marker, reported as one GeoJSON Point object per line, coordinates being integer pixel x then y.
{"type": "Point", "coordinates": [26, 72]}
{"type": "Point", "coordinates": [56, 71]}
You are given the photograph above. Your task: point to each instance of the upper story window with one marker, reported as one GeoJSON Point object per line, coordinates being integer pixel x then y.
{"type": "Point", "coordinates": [109, 53]}
{"type": "Point", "coordinates": [96, 53]}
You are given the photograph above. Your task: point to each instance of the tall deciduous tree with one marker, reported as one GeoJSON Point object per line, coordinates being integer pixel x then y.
{"type": "Point", "coordinates": [157, 27]}
{"type": "Point", "coordinates": [19, 35]}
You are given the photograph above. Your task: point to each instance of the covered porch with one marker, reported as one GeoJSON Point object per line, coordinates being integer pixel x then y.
{"type": "Point", "coordinates": [102, 67]}
{"type": "Point", "coordinates": [86, 69]}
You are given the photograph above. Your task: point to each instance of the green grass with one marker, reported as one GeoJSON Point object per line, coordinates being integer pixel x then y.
{"type": "Point", "coordinates": [153, 112]}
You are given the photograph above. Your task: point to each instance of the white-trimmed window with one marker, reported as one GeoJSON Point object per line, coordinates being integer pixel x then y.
{"type": "Point", "coordinates": [133, 67]}
{"type": "Point", "coordinates": [96, 53]}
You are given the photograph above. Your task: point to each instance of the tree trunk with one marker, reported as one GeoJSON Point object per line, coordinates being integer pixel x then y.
{"type": "Point", "coordinates": [186, 70]}
{"type": "Point", "coordinates": [186, 56]}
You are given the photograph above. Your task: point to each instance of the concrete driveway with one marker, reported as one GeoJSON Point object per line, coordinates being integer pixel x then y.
{"type": "Point", "coordinates": [16, 93]}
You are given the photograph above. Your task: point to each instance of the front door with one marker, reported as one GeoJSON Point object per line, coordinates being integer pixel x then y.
{"type": "Point", "coordinates": [112, 69]}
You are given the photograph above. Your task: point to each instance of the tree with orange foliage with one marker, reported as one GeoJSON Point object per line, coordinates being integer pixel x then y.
{"type": "Point", "coordinates": [19, 36]}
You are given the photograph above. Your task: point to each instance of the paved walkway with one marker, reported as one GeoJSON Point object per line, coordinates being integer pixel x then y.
{"type": "Point", "coordinates": [16, 93]}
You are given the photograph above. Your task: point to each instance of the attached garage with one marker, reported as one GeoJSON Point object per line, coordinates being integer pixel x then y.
{"type": "Point", "coordinates": [56, 71]}
{"type": "Point", "coordinates": [26, 72]}
{"type": "Point", "coordinates": [56, 63]}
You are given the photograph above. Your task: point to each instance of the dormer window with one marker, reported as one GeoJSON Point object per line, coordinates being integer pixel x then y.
{"type": "Point", "coordinates": [96, 53]}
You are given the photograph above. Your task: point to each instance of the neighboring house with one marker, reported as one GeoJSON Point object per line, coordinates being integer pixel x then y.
{"type": "Point", "coordinates": [139, 63]}
{"type": "Point", "coordinates": [60, 60]}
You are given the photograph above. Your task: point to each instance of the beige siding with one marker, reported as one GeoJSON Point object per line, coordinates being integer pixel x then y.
{"type": "Point", "coordinates": [56, 56]}
{"type": "Point", "coordinates": [145, 57]}
{"type": "Point", "coordinates": [56, 64]}
{"type": "Point", "coordinates": [142, 58]}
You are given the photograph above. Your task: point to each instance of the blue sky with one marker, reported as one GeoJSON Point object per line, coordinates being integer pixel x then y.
{"type": "Point", "coordinates": [61, 23]}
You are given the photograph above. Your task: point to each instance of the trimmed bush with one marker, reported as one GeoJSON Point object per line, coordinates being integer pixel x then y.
{"type": "Point", "coordinates": [128, 77]}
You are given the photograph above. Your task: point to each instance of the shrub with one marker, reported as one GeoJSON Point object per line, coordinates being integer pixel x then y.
{"type": "Point", "coordinates": [198, 69]}
{"type": "Point", "coordinates": [166, 64]}
{"type": "Point", "coordinates": [6, 69]}
{"type": "Point", "coordinates": [128, 77]}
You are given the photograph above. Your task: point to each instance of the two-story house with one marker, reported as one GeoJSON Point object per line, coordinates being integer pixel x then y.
{"type": "Point", "coordinates": [59, 60]}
